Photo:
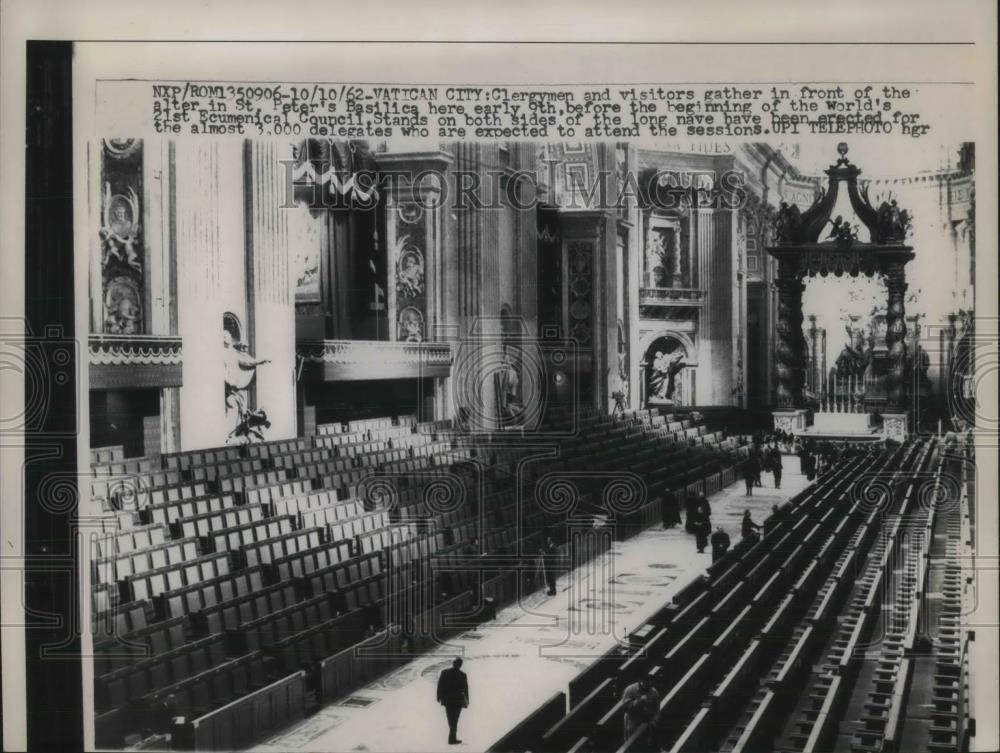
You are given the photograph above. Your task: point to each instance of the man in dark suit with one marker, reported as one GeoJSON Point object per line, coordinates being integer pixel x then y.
{"type": "Point", "coordinates": [774, 460]}
{"type": "Point", "coordinates": [550, 555]}
{"type": "Point", "coordinates": [720, 544]}
{"type": "Point", "coordinates": [453, 694]}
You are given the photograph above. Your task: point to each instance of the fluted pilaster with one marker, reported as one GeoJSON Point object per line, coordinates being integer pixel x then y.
{"type": "Point", "coordinates": [271, 309]}
{"type": "Point", "coordinates": [198, 232]}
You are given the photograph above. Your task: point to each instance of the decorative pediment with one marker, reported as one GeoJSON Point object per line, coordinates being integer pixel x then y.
{"type": "Point", "coordinates": [888, 224]}
{"type": "Point", "coordinates": [135, 361]}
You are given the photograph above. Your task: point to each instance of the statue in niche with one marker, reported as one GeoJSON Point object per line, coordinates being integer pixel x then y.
{"type": "Point", "coordinates": [410, 325]}
{"type": "Point", "coordinates": [663, 375]}
{"type": "Point", "coordinates": [508, 387]}
{"type": "Point", "coordinates": [119, 228]}
{"type": "Point", "coordinates": [122, 307]}
{"type": "Point", "coordinates": [239, 369]}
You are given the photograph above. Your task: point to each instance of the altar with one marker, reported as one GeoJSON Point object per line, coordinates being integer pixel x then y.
{"type": "Point", "coordinates": [842, 423]}
{"type": "Point", "coordinates": [867, 393]}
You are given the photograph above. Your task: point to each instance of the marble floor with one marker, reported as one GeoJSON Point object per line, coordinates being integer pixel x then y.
{"type": "Point", "coordinates": [533, 649]}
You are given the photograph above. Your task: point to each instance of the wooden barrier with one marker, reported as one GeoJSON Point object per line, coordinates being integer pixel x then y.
{"type": "Point", "coordinates": [688, 593]}
{"type": "Point", "coordinates": [578, 721]}
{"type": "Point", "coordinates": [245, 720]}
{"type": "Point", "coordinates": [684, 651]}
{"type": "Point", "coordinates": [527, 732]}
{"type": "Point", "coordinates": [444, 620]}
{"type": "Point", "coordinates": [610, 727]}
{"type": "Point", "coordinates": [690, 614]}
{"type": "Point", "coordinates": [758, 732]}
{"type": "Point", "coordinates": [696, 733]}
{"type": "Point", "coordinates": [638, 664]}
{"type": "Point", "coordinates": [581, 686]}
{"type": "Point", "coordinates": [686, 692]}
{"type": "Point", "coordinates": [825, 726]}
{"type": "Point", "coordinates": [503, 588]}
{"type": "Point", "coordinates": [712, 484]}
{"type": "Point", "coordinates": [351, 668]}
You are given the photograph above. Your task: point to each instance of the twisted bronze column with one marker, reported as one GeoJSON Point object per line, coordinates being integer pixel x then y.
{"type": "Point", "coordinates": [895, 336]}
{"type": "Point", "coordinates": [789, 351]}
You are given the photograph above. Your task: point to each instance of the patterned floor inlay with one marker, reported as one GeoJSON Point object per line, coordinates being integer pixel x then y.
{"type": "Point", "coordinates": [311, 729]}
{"type": "Point", "coordinates": [357, 701]}
{"type": "Point", "coordinates": [531, 651]}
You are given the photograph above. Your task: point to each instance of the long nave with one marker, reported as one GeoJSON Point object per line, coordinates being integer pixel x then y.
{"type": "Point", "coordinates": [674, 449]}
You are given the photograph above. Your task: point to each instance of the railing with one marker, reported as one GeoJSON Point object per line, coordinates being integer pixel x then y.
{"type": "Point", "coordinates": [373, 359]}
{"type": "Point", "coordinates": [135, 361]}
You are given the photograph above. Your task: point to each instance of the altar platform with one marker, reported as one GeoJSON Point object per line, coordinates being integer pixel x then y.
{"type": "Point", "coordinates": [850, 427]}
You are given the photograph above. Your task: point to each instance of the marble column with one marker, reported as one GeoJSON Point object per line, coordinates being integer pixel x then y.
{"type": "Point", "coordinates": [158, 158]}
{"type": "Point", "coordinates": [716, 326]}
{"type": "Point", "coordinates": [271, 308]}
{"type": "Point", "coordinates": [198, 227]}
{"type": "Point", "coordinates": [473, 307]}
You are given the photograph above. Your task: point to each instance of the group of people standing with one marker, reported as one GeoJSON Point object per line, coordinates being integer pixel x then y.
{"type": "Point", "coordinates": [816, 457]}
{"type": "Point", "coordinates": [766, 457]}
{"type": "Point", "coordinates": [698, 522]}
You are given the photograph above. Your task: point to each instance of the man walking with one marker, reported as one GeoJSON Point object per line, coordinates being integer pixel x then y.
{"type": "Point", "coordinates": [751, 470]}
{"type": "Point", "coordinates": [703, 526]}
{"type": "Point", "coordinates": [775, 463]}
{"type": "Point", "coordinates": [453, 694]}
{"type": "Point", "coordinates": [550, 555]}
{"type": "Point", "coordinates": [759, 458]}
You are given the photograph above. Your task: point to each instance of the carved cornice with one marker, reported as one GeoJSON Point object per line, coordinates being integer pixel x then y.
{"type": "Point", "coordinates": [672, 296]}
{"type": "Point", "coordinates": [135, 361]}
{"type": "Point", "coordinates": [145, 350]}
{"type": "Point", "coordinates": [826, 259]}
{"type": "Point", "coordinates": [365, 351]}
{"type": "Point", "coordinates": [344, 360]}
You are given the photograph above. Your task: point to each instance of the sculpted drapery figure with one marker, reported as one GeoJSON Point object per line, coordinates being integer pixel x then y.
{"type": "Point", "coordinates": [239, 368]}
{"type": "Point", "coordinates": [663, 376]}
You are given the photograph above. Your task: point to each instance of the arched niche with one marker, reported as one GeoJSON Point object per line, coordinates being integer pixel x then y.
{"type": "Point", "coordinates": [667, 378]}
